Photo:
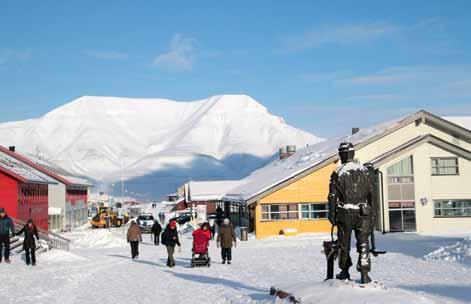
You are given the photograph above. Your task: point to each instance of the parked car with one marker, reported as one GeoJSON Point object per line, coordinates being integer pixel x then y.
{"type": "Point", "coordinates": [145, 222]}
{"type": "Point", "coordinates": [183, 218]}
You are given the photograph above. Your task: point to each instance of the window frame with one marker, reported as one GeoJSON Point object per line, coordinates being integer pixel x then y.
{"type": "Point", "coordinates": [312, 210]}
{"type": "Point", "coordinates": [462, 208]}
{"type": "Point", "coordinates": [269, 212]}
{"type": "Point", "coordinates": [438, 166]}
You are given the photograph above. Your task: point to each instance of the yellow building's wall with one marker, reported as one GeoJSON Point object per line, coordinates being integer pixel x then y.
{"type": "Point", "coordinates": [310, 189]}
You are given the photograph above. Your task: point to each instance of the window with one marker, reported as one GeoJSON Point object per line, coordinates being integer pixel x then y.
{"type": "Point", "coordinates": [445, 166]}
{"type": "Point", "coordinates": [277, 212]}
{"type": "Point", "coordinates": [401, 172]}
{"type": "Point", "coordinates": [452, 208]}
{"type": "Point", "coordinates": [314, 211]}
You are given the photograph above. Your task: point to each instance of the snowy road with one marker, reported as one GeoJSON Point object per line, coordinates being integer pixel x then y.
{"type": "Point", "coordinates": [99, 270]}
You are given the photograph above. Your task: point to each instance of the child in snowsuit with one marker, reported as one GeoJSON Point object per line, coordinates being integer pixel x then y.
{"type": "Point", "coordinates": [226, 237]}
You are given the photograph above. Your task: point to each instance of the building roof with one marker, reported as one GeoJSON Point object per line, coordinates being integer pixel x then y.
{"type": "Point", "coordinates": [321, 154]}
{"type": "Point", "coordinates": [69, 178]}
{"type": "Point", "coordinates": [464, 121]}
{"type": "Point", "coordinates": [210, 190]}
{"type": "Point", "coordinates": [429, 138]}
{"type": "Point", "coordinates": [53, 171]}
{"type": "Point", "coordinates": [22, 171]}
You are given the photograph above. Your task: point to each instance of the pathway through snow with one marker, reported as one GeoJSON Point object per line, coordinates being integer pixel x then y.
{"type": "Point", "coordinates": [93, 274]}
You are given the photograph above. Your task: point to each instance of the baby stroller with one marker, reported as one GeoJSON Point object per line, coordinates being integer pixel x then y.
{"type": "Point", "coordinates": [200, 256]}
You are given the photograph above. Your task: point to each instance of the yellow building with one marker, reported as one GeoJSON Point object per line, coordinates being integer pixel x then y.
{"type": "Point", "coordinates": [425, 167]}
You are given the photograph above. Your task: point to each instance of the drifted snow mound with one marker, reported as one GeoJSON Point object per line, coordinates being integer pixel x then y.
{"type": "Point", "coordinates": [338, 292]}
{"type": "Point", "coordinates": [98, 136]}
{"type": "Point", "coordinates": [98, 238]}
{"type": "Point", "coordinates": [460, 251]}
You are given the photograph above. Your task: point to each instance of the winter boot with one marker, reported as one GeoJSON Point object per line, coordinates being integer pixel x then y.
{"type": "Point", "coordinates": [34, 263]}
{"type": "Point", "coordinates": [224, 261]}
{"type": "Point", "coordinates": [343, 275]}
{"type": "Point", "coordinates": [7, 261]}
{"type": "Point", "coordinates": [365, 278]}
{"type": "Point", "coordinates": [228, 262]}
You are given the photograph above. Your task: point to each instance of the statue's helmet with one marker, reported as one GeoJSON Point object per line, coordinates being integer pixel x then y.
{"type": "Point", "coordinates": [346, 147]}
{"type": "Point", "coordinates": [346, 152]}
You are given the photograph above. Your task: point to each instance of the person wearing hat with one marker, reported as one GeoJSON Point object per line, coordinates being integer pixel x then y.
{"type": "Point", "coordinates": [170, 240]}
{"type": "Point", "coordinates": [226, 237]}
{"type": "Point", "coordinates": [6, 227]}
{"type": "Point", "coordinates": [29, 245]}
{"type": "Point", "coordinates": [351, 209]}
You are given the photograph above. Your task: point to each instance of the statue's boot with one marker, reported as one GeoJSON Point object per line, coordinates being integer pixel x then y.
{"type": "Point", "coordinates": [343, 275]}
{"type": "Point", "coordinates": [365, 278]}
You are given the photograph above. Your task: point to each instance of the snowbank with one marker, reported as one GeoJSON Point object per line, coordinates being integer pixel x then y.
{"type": "Point", "coordinates": [98, 238]}
{"type": "Point", "coordinates": [460, 251]}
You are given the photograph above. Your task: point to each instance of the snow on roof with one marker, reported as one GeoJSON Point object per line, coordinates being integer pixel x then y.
{"type": "Point", "coordinates": [211, 190]}
{"type": "Point", "coordinates": [24, 171]}
{"type": "Point", "coordinates": [281, 170]}
{"type": "Point", "coordinates": [53, 168]}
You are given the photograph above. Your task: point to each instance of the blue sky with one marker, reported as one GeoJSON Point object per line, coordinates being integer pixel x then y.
{"type": "Point", "coordinates": [323, 66]}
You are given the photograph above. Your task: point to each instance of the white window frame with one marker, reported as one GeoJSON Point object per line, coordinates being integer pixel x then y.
{"type": "Point", "coordinates": [312, 210]}
{"type": "Point", "coordinates": [462, 208]}
{"type": "Point", "coordinates": [278, 212]}
{"type": "Point", "coordinates": [438, 166]}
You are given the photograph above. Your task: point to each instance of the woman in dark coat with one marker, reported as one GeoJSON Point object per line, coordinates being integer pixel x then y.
{"type": "Point", "coordinates": [29, 244]}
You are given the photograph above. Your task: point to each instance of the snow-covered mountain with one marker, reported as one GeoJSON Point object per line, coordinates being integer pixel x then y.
{"type": "Point", "coordinates": [156, 143]}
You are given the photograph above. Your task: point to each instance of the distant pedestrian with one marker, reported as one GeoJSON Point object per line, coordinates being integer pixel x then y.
{"type": "Point", "coordinates": [170, 240]}
{"type": "Point", "coordinates": [134, 237]}
{"type": "Point", "coordinates": [226, 239]}
{"type": "Point", "coordinates": [6, 227]}
{"type": "Point", "coordinates": [29, 244]}
{"type": "Point", "coordinates": [156, 230]}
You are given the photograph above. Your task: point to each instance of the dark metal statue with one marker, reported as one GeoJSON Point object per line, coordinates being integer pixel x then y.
{"type": "Point", "coordinates": [352, 209]}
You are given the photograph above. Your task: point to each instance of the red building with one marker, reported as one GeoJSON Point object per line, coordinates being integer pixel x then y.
{"type": "Point", "coordinates": [69, 194]}
{"type": "Point", "coordinates": [24, 191]}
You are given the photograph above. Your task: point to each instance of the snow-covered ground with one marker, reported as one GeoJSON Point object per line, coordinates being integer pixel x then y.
{"type": "Point", "coordinates": [99, 270]}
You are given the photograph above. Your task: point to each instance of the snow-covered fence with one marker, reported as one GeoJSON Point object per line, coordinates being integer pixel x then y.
{"type": "Point", "coordinates": [53, 240]}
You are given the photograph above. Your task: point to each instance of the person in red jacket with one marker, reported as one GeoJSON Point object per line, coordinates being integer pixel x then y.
{"type": "Point", "coordinates": [201, 239]}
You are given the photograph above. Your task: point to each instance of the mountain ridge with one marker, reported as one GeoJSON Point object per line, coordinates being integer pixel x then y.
{"type": "Point", "coordinates": [104, 137]}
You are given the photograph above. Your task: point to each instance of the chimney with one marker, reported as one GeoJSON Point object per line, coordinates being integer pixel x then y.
{"type": "Point", "coordinates": [283, 153]}
{"type": "Point", "coordinates": [11, 148]}
{"type": "Point", "coordinates": [291, 150]}
{"type": "Point", "coordinates": [355, 130]}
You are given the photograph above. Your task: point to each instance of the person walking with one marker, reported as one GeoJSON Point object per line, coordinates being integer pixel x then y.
{"type": "Point", "coordinates": [29, 244]}
{"type": "Point", "coordinates": [6, 226]}
{"type": "Point", "coordinates": [170, 240]}
{"type": "Point", "coordinates": [226, 238]}
{"type": "Point", "coordinates": [156, 230]}
{"type": "Point", "coordinates": [134, 237]}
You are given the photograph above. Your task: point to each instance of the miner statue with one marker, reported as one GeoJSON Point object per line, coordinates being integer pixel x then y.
{"type": "Point", "coordinates": [351, 209]}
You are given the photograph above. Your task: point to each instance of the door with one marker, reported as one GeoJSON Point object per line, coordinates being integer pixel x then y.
{"type": "Point", "coordinates": [402, 217]}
